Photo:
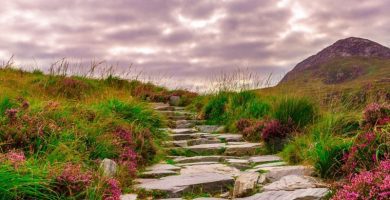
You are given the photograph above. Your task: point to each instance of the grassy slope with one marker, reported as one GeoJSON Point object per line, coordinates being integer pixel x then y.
{"type": "Point", "coordinates": [373, 85]}
{"type": "Point", "coordinates": [79, 128]}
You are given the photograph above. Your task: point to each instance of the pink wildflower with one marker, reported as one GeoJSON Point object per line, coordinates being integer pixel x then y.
{"type": "Point", "coordinates": [113, 190]}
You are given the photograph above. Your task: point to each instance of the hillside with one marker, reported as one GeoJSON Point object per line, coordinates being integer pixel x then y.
{"type": "Point", "coordinates": [353, 70]}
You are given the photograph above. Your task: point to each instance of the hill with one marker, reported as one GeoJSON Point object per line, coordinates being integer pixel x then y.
{"type": "Point", "coordinates": [351, 71]}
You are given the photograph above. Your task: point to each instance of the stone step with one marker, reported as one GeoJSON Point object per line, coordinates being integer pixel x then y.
{"type": "Point", "coordinates": [210, 128]}
{"type": "Point", "coordinates": [182, 130]}
{"type": "Point", "coordinates": [222, 148]}
{"type": "Point", "coordinates": [307, 194]}
{"type": "Point", "coordinates": [210, 168]}
{"type": "Point", "coordinates": [175, 186]}
{"type": "Point", "coordinates": [200, 159]}
{"type": "Point", "coordinates": [184, 136]}
{"type": "Point", "coordinates": [160, 170]}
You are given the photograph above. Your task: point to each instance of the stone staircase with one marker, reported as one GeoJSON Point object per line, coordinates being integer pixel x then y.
{"type": "Point", "coordinates": [204, 160]}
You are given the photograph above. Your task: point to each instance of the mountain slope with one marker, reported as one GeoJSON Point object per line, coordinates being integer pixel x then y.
{"type": "Point", "coordinates": [346, 48]}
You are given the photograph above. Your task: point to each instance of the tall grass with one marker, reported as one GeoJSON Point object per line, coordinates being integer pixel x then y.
{"type": "Point", "coordinates": [299, 111]}
{"type": "Point", "coordinates": [5, 103]}
{"type": "Point", "coordinates": [24, 185]}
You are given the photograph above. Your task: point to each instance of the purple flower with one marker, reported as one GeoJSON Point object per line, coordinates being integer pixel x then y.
{"type": "Point", "coordinates": [113, 190]}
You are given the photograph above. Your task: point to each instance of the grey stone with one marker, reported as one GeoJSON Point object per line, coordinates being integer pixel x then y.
{"type": "Point", "coordinates": [180, 143]}
{"type": "Point", "coordinates": [163, 167]}
{"type": "Point", "coordinates": [265, 158]}
{"type": "Point", "coordinates": [184, 136]}
{"type": "Point", "coordinates": [109, 167]}
{"type": "Point", "coordinates": [196, 163]}
{"type": "Point", "coordinates": [199, 159]}
{"type": "Point", "coordinates": [210, 128]}
{"type": "Point", "coordinates": [158, 173]}
{"type": "Point", "coordinates": [210, 168]}
{"type": "Point", "coordinates": [174, 100]}
{"type": "Point", "coordinates": [182, 130]}
{"type": "Point", "coordinates": [128, 197]}
{"type": "Point", "coordinates": [242, 149]}
{"type": "Point", "coordinates": [275, 173]}
{"type": "Point", "coordinates": [216, 148]}
{"type": "Point", "coordinates": [228, 137]}
{"type": "Point", "coordinates": [238, 163]}
{"type": "Point", "coordinates": [265, 166]}
{"type": "Point", "coordinates": [174, 186]}
{"type": "Point", "coordinates": [291, 182]}
{"type": "Point", "coordinates": [300, 194]}
{"type": "Point", "coordinates": [245, 183]}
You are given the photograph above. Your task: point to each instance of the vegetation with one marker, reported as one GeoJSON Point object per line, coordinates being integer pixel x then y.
{"type": "Point", "coordinates": [56, 129]}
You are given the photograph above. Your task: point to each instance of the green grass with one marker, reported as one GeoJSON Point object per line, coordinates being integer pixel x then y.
{"type": "Point", "coordinates": [299, 111]}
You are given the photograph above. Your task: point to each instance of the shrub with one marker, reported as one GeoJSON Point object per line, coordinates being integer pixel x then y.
{"type": "Point", "coordinates": [274, 135]}
{"type": "Point", "coordinates": [299, 111]}
{"type": "Point", "coordinates": [367, 150]}
{"type": "Point", "coordinates": [69, 87]}
{"type": "Point", "coordinates": [253, 132]}
{"type": "Point", "coordinates": [375, 114]}
{"type": "Point", "coordinates": [373, 184]}
{"type": "Point", "coordinates": [242, 124]}
{"type": "Point", "coordinates": [73, 181]}
{"type": "Point", "coordinates": [113, 190]}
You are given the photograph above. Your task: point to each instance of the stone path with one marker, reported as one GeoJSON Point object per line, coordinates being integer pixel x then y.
{"type": "Point", "coordinates": [204, 160]}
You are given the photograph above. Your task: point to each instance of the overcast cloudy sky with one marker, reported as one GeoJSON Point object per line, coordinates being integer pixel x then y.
{"type": "Point", "coordinates": [187, 40]}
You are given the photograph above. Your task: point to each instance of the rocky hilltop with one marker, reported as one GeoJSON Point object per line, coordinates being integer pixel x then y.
{"type": "Point", "coordinates": [344, 48]}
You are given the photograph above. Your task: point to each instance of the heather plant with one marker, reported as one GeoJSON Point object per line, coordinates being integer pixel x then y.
{"type": "Point", "coordinates": [254, 131]}
{"type": "Point", "coordinates": [376, 114]}
{"type": "Point", "coordinates": [73, 181]}
{"type": "Point", "coordinates": [242, 124]}
{"type": "Point", "coordinates": [367, 185]}
{"type": "Point", "coordinates": [274, 134]}
{"type": "Point", "coordinates": [299, 111]}
{"type": "Point", "coordinates": [113, 190]}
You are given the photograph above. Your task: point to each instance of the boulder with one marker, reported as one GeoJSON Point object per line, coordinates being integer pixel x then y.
{"type": "Point", "coordinates": [174, 100]}
{"type": "Point", "coordinates": [109, 167]}
{"type": "Point", "coordinates": [245, 183]}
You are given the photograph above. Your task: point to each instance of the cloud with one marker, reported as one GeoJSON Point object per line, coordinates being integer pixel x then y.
{"type": "Point", "coordinates": [186, 40]}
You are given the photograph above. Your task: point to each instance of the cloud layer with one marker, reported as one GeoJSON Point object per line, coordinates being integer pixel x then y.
{"type": "Point", "coordinates": [187, 40]}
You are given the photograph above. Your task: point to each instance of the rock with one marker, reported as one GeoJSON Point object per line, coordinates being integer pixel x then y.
{"type": "Point", "coordinates": [210, 128]}
{"type": "Point", "coordinates": [275, 173]}
{"type": "Point", "coordinates": [226, 137]}
{"type": "Point", "coordinates": [217, 148]}
{"type": "Point", "coordinates": [184, 136]}
{"type": "Point", "coordinates": [238, 163]}
{"type": "Point", "coordinates": [158, 173]}
{"type": "Point", "coordinates": [180, 143]}
{"type": "Point", "coordinates": [242, 149]}
{"type": "Point", "coordinates": [185, 123]}
{"type": "Point", "coordinates": [174, 186]}
{"type": "Point", "coordinates": [291, 182]}
{"type": "Point", "coordinates": [198, 141]}
{"type": "Point", "coordinates": [128, 197]}
{"type": "Point", "coordinates": [196, 163]}
{"type": "Point", "coordinates": [174, 100]}
{"type": "Point", "coordinates": [265, 166]}
{"type": "Point", "coordinates": [245, 183]}
{"type": "Point", "coordinates": [261, 179]}
{"type": "Point", "coordinates": [300, 194]}
{"type": "Point", "coordinates": [182, 130]}
{"type": "Point", "coordinates": [264, 158]}
{"type": "Point", "coordinates": [199, 159]}
{"type": "Point", "coordinates": [109, 167]}
{"type": "Point", "coordinates": [163, 167]}
{"type": "Point", "coordinates": [210, 168]}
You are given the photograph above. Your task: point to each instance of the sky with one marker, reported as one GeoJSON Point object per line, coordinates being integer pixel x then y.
{"type": "Point", "coordinates": [184, 43]}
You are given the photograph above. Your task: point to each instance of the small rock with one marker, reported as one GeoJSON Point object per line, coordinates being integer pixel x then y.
{"type": "Point", "coordinates": [109, 167]}
{"type": "Point", "coordinates": [245, 183]}
{"type": "Point", "coordinates": [128, 197]}
{"type": "Point", "coordinates": [174, 100]}
{"type": "Point", "coordinates": [291, 182]}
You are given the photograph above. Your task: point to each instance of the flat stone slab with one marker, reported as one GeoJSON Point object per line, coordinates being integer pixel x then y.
{"type": "Point", "coordinates": [180, 143]}
{"type": "Point", "coordinates": [208, 148]}
{"type": "Point", "coordinates": [182, 130]}
{"type": "Point", "coordinates": [238, 163]}
{"type": "Point", "coordinates": [230, 137]}
{"type": "Point", "coordinates": [184, 136]}
{"type": "Point", "coordinates": [210, 168]}
{"type": "Point", "coordinates": [275, 173]}
{"type": "Point", "coordinates": [163, 167]}
{"type": "Point", "coordinates": [264, 158]}
{"type": "Point", "coordinates": [242, 149]}
{"type": "Point", "coordinates": [199, 159]}
{"type": "Point", "coordinates": [174, 186]}
{"type": "Point", "coordinates": [291, 182]}
{"type": "Point", "coordinates": [158, 173]}
{"type": "Point", "coordinates": [196, 163]}
{"type": "Point", "coordinates": [300, 194]}
{"type": "Point", "coordinates": [210, 128]}
{"type": "Point", "coordinates": [128, 197]}
{"type": "Point", "coordinates": [266, 165]}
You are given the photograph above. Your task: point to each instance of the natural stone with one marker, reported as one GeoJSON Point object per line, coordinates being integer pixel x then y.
{"type": "Point", "coordinates": [245, 183]}
{"type": "Point", "coordinates": [242, 149]}
{"type": "Point", "coordinates": [174, 100]}
{"type": "Point", "coordinates": [275, 173]}
{"type": "Point", "coordinates": [174, 186]}
{"type": "Point", "coordinates": [291, 182]}
{"type": "Point", "coordinates": [210, 168]}
{"type": "Point", "coordinates": [264, 158]}
{"type": "Point", "coordinates": [199, 159]}
{"type": "Point", "coordinates": [109, 167]}
{"type": "Point", "coordinates": [300, 194]}
{"type": "Point", "coordinates": [163, 167]}
{"type": "Point", "coordinates": [128, 197]}
{"type": "Point", "coordinates": [210, 128]}
{"type": "Point", "coordinates": [158, 173]}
